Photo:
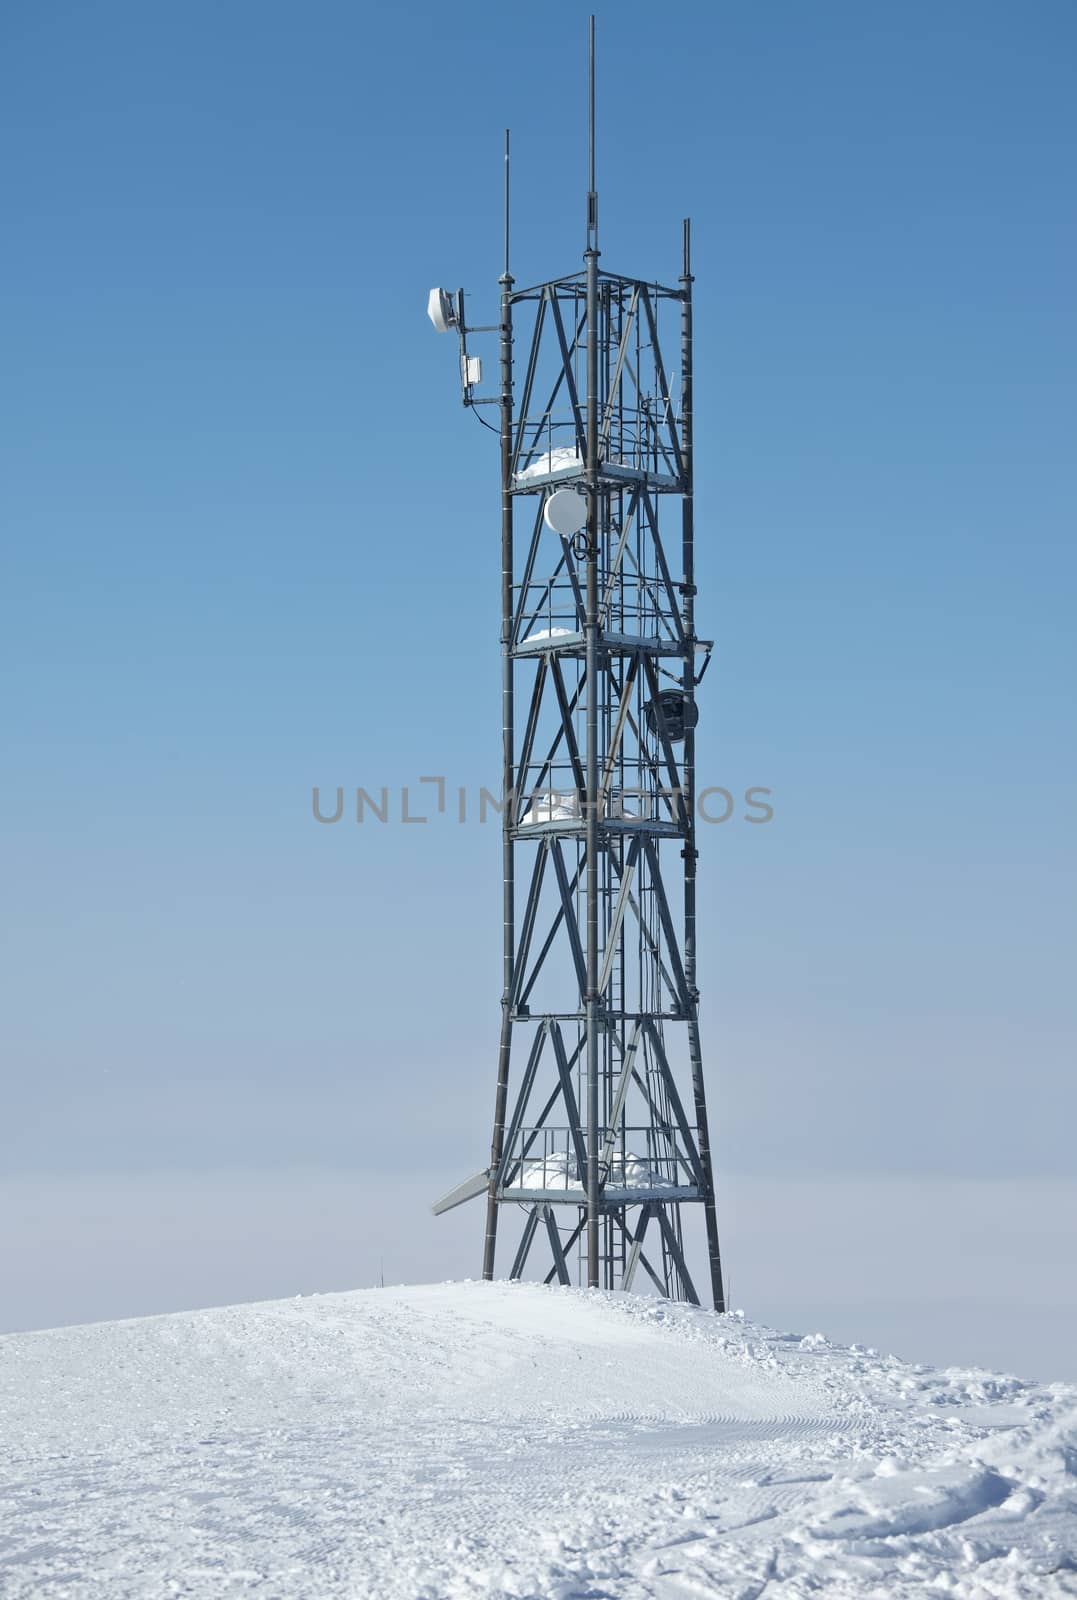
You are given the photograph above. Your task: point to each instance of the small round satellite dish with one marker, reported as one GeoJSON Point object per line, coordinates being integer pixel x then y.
{"type": "Point", "coordinates": [565, 512]}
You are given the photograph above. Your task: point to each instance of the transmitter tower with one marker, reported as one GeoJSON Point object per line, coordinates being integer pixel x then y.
{"type": "Point", "coordinates": [600, 1135]}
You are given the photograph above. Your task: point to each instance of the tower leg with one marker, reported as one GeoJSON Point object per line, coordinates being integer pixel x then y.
{"type": "Point", "coordinates": [508, 875]}
{"type": "Point", "coordinates": [594, 532]}
{"type": "Point", "coordinates": [710, 1211]}
{"type": "Point", "coordinates": [497, 1145]}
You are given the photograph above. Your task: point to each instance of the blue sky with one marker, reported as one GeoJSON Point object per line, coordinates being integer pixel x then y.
{"type": "Point", "coordinates": [250, 546]}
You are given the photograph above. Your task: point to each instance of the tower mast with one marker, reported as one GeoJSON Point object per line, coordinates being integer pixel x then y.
{"type": "Point", "coordinates": [600, 1138]}
{"type": "Point", "coordinates": [591, 688]}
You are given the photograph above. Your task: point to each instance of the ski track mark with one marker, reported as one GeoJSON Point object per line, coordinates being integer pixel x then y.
{"type": "Point", "coordinates": [453, 1441]}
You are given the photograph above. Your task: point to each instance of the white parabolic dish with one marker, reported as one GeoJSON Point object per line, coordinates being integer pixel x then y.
{"type": "Point", "coordinates": [565, 512]}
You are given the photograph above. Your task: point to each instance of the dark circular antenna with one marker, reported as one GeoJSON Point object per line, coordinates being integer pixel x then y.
{"type": "Point", "coordinates": [678, 712]}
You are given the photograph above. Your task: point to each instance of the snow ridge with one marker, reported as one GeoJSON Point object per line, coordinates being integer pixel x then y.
{"type": "Point", "coordinates": [463, 1440]}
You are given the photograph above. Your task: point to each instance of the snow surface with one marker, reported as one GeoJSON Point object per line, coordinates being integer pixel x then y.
{"type": "Point", "coordinates": [560, 459]}
{"type": "Point", "coordinates": [553, 805]}
{"type": "Point", "coordinates": [558, 1170]}
{"type": "Point", "coordinates": [548, 633]}
{"type": "Point", "coordinates": [463, 1440]}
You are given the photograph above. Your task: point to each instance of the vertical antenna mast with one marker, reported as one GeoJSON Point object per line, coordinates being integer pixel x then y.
{"type": "Point", "coordinates": [593, 666]}
{"type": "Point", "coordinates": [506, 202]}
{"type": "Point", "coordinates": [592, 193]}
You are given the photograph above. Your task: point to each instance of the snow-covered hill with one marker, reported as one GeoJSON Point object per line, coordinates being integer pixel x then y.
{"type": "Point", "coordinates": [483, 1440]}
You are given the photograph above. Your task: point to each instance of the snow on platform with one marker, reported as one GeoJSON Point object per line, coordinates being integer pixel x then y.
{"type": "Point", "coordinates": [630, 1177]}
{"type": "Point", "coordinates": [563, 463]}
{"type": "Point", "coordinates": [551, 806]}
{"type": "Point", "coordinates": [465, 1440]}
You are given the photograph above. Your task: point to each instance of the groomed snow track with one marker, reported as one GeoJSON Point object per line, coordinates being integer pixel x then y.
{"type": "Point", "coordinates": [470, 1440]}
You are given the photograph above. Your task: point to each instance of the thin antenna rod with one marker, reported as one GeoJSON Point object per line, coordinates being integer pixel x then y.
{"type": "Point", "coordinates": [506, 202]}
{"type": "Point", "coordinates": [592, 193]}
{"type": "Point", "coordinates": [591, 112]}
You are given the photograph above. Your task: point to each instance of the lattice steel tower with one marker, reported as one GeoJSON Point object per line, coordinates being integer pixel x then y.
{"type": "Point", "coordinates": [600, 1123]}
